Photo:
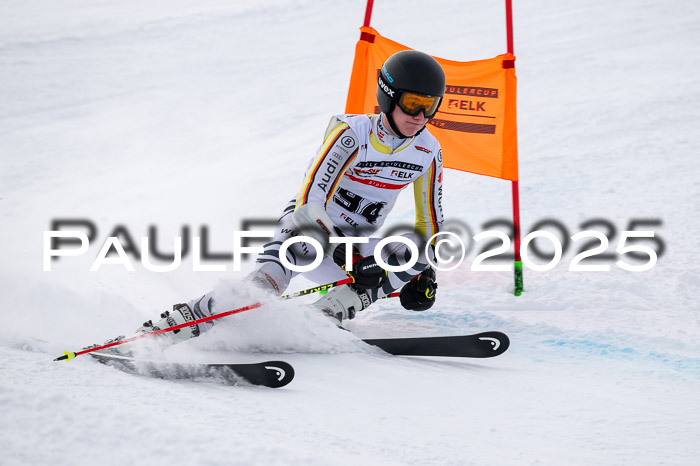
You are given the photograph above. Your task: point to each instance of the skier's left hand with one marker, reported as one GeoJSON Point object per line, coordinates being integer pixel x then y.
{"type": "Point", "coordinates": [419, 293]}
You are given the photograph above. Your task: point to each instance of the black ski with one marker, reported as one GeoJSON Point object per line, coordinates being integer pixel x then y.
{"type": "Point", "coordinates": [479, 345]}
{"type": "Point", "coordinates": [272, 374]}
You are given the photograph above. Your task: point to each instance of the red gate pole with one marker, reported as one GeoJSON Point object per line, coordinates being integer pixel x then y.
{"type": "Point", "coordinates": [509, 25]}
{"type": "Point", "coordinates": [368, 13]}
{"type": "Point", "coordinates": [518, 265]}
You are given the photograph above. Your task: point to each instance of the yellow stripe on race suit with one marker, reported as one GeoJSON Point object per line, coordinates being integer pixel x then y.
{"type": "Point", "coordinates": [423, 218]}
{"type": "Point", "coordinates": [431, 199]}
{"type": "Point", "coordinates": [378, 146]}
{"type": "Point", "coordinates": [384, 149]}
{"type": "Point", "coordinates": [327, 144]}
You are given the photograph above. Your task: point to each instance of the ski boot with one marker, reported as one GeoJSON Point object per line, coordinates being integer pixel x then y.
{"type": "Point", "coordinates": [341, 303]}
{"type": "Point", "coordinates": [180, 314]}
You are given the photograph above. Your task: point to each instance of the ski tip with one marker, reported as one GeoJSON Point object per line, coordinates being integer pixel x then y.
{"type": "Point", "coordinates": [66, 356]}
{"type": "Point", "coordinates": [279, 373]}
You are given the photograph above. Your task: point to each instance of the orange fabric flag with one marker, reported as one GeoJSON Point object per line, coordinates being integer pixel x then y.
{"type": "Point", "coordinates": [476, 123]}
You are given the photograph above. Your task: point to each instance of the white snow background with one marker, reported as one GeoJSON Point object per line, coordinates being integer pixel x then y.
{"type": "Point", "coordinates": [183, 113]}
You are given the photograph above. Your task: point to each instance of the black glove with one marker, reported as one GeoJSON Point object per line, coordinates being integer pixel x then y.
{"type": "Point", "coordinates": [365, 270]}
{"type": "Point", "coordinates": [419, 293]}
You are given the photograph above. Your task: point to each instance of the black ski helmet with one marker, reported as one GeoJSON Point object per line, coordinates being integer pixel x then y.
{"type": "Point", "coordinates": [408, 71]}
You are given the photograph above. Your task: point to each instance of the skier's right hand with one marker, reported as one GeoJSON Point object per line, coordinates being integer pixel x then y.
{"type": "Point", "coordinates": [365, 272]}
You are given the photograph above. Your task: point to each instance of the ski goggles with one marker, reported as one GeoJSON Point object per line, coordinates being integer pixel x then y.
{"type": "Point", "coordinates": [412, 103]}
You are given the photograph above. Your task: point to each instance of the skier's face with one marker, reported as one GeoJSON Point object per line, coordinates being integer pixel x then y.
{"type": "Point", "coordinates": [407, 124]}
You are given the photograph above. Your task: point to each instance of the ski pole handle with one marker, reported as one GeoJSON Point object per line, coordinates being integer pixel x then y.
{"type": "Point", "coordinates": [68, 355]}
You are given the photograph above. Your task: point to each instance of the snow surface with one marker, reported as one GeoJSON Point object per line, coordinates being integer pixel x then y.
{"type": "Point", "coordinates": [205, 113]}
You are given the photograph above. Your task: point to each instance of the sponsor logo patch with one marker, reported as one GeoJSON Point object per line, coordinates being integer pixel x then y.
{"type": "Point", "coordinates": [402, 174]}
{"type": "Point", "coordinates": [395, 164]}
{"type": "Point", "coordinates": [347, 141]}
{"type": "Point", "coordinates": [369, 171]}
{"type": "Point", "coordinates": [386, 73]}
{"type": "Point", "coordinates": [323, 226]}
{"type": "Point", "coordinates": [386, 88]}
{"type": "Point", "coordinates": [349, 220]}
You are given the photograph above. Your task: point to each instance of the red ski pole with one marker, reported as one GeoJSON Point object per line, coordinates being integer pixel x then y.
{"type": "Point", "coordinates": [68, 355]}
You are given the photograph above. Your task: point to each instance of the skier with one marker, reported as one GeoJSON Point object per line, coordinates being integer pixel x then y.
{"type": "Point", "coordinates": [353, 182]}
{"type": "Point", "coordinates": [349, 188]}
